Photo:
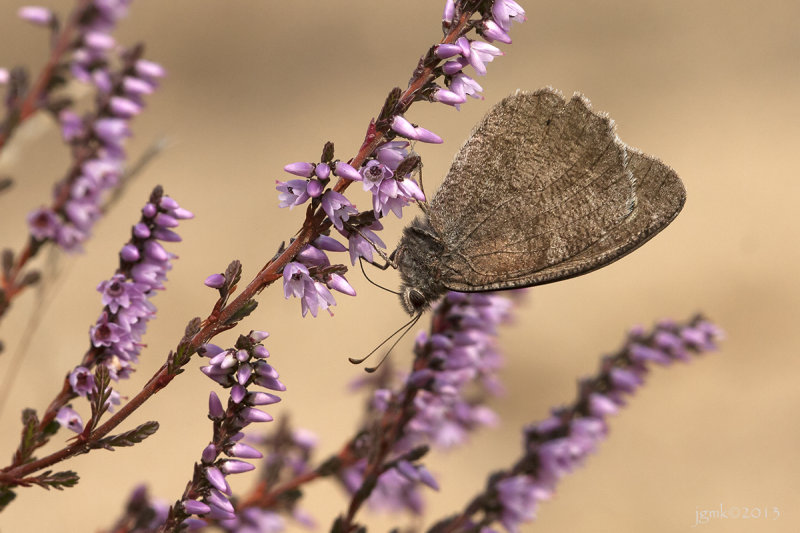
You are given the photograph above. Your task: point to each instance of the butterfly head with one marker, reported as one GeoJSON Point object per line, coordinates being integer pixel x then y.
{"type": "Point", "coordinates": [418, 258]}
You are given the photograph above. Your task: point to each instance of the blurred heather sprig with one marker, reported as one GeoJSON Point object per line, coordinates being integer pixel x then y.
{"type": "Point", "coordinates": [439, 404]}
{"type": "Point", "coordinates": [559, 444]}
{"type": "Point", "coordinates": [83, 50]}
{"type": "Point", "coordinates": [384, 165]}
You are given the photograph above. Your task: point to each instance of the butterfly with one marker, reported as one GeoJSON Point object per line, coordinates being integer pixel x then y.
{"type": "Point", "coordinates": [542, 190]}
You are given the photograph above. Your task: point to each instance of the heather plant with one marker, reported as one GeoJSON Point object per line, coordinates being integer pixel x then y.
{"type": "Point", "coordinates": [435, 404]}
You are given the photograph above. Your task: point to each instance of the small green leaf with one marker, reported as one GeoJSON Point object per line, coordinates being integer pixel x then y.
{"type": "Point", "coordinates": [59, 480]}
{"type": "Point", "coordinates": [6, 496]}
{"type": "Point", "coordinates": [129, 438]}
{"type": "Point", "coordinates": [245, 311]}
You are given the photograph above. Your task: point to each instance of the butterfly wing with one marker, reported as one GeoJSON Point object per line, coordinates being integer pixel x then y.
{"type": "Point", "coordinates": [544, 190]}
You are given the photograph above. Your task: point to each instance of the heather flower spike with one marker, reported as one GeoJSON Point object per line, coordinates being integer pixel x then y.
{"type": "Point", "coordinates": [144, 262]}
{"type": "Point", "coordinates": [68, 223]}
{"type": "Point", "coordinates": [559, 444]}
{"type": "Point", "coordinates": [454, 364]}
{"type": "Point", "coordinates": [208, 495]}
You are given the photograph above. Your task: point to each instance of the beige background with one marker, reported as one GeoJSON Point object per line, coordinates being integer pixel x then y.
{"type": "Point", "coordinates": [711, 87]}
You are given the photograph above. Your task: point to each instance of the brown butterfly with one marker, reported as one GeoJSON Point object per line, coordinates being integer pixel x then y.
{"type": "Point", "coordinates": [543, 190]}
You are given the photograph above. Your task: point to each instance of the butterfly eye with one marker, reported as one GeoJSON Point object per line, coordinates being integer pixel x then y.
{"type": "Point", "coordinates": [416, 298]}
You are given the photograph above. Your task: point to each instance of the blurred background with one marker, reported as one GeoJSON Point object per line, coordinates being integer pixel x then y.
{"type": "Point", "coordinates": [709, 87]}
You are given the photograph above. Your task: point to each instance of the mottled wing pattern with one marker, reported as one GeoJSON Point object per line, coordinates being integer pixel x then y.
{"type": "Point", "coordinates": [539, 182]}
{"type": "Point", "coordinates": [659, 198]}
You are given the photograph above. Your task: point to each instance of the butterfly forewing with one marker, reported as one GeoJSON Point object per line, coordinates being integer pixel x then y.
{"type": "Point", "coordinates": [539, 183]}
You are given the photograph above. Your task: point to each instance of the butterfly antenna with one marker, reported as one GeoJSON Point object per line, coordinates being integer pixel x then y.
{"type": "Point", "coordinates": [361, 263]}
{"type": "Point", "coordinates": [424, 204]}
{"type": "Point", "coordinates": [401, 328]}
{"type": "Point", "coordinates": [410, 325]}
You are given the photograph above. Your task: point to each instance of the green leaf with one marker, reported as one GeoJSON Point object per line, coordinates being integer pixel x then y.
{"type": "Point", "coordinates": [6, 496]}
{"type": "Point", "coordinates": [245, 311]}
{"type": "Point", "coordinates": [129, 438]}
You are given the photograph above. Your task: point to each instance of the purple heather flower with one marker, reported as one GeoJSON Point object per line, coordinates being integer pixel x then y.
{"type": "Point", "coordinates": [338, 283]}
{"type": "Point", "coordinates": [454, 66]}
{"type": "Point", "coordinates": [519, 497]}
{"type": "Point", "coordinates": [449, 97]}
{"type": "Point", "coordinates": [219, 500]}
{"type": "Point", "coordinates": [134, 87]}
{"type": "Point", "coordinates": [215, 409]}
{"type": "Point", "coordinates": [403, 127]}
{"type": "Point", "coordinates": [82, 381]}
{"type": "Point", "coordinates": [464, 46]}
{"type": "Point", "coordinates": [215, 281]}
{"type": "Point", "coordinates": [105, 172]}
{"type": "Point", "coordinates": [493, 32]}
{"type": "Point", "coordinates": [295, 280]}
{"type": "Point", "coordinates": [317, 298]}
{"type": "Point", "coordinates": [373, 173]}
{"type": "Point", "coordinates": [292, 192]}
{"type": "Point", "coordinates": [449, 11]}
{"type": "Point", "coordinates": [465, 86]}
{"type": "Point", "coordinates": [324, 242]}
{"type": "Point", "coordinates": [232, 466]}
{"type": "Point", "coordinates": [388, 194]}
{"type": "Point", "coordinates": [394, 491]}
{"type": "Point", "coordinates": [195, 507]}
{"type": "Point", "coordinates": [69, 418]}
{"type": "Point", "coordinates": [300, 168]}
{"type": "Point", "coordinates": [71, 124]}
{"type": "Point", "coordinates": [43, 224]}
{"type": "Point", "coordinates": [338, 208]}
{"type": "Point", "coordinates": [643, 354]}
{"type": "Point", "coordinates": [504, 11]}
{"type": "Point", "coordinates": [243, 450]}
{"type": "Point", "coordinates": [124, 107]}
{"type": "Point", "coordinates": [426, 136]}
{"type": "Point", "coordinates": [113, 400]}
{"type": "Point", "coordinates": [69, 238]}
{"type": "Point", "coordinates": [601, 406]}
{"type": "Point", "coordinates": [262, 398]}
{"type": "Point", "coordinates": [217, 479]}
{"type": "Point", "coordinates": [346, 171]}
{"type": "Point", "coordinates": [99, 41]}
{"type": "Point", "coordinates": [112, 131]}
{"type": "Point", "coordinates": [392, 153]}
{"type": "Point", "coordinates": [106, 333]}
{"type": "Point", "coordinates": [149, 69]}
{"type": "Point", "coordinates": [315, 188]}
{"type": "Point", "coordinates": [361, 243]}
{"type": "Point", "coordinates": [40, 16]}
{"type": "Point", "coordinates": [322, 171]}
{"type": "Point", "coordinates": [312, 256]}
{"type": "Point", "coordinates": [119, 293]}
{"type": "Point", "coordinates": [447, 50]}
{"type": "Point", "coordinates": [480, 54]}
